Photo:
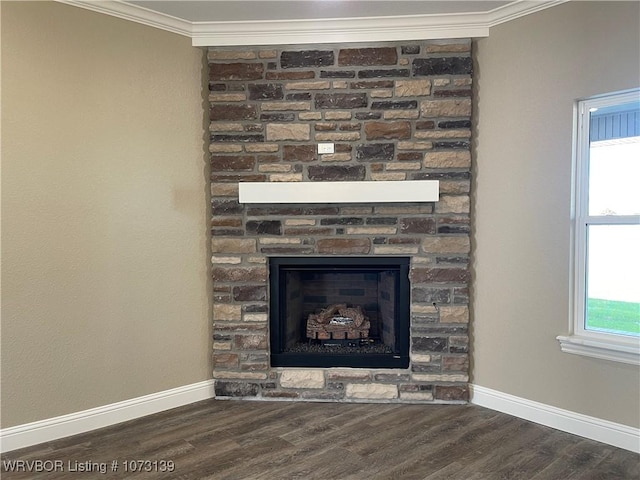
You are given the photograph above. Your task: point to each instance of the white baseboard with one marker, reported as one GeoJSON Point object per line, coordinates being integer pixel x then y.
{"type": "Point", "coordinates": [604, 431]}
{"type": "Point", "coordinates": [21, 436]}
{"type": "Point", "coordinates": [49, 429]}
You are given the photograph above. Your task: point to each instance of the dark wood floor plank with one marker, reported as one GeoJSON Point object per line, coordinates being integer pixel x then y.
{"type": "Point", "coordinates": [470, 448]}
{"type": "Point", "coordinates": [616, 465]}
{"type": "Point", "coordinates": [533, 457]}
{"type": "Point", "coordinates": [507, 457]}
{"type": "Point", "coordinates": [576, 461]}
{"type": "Point", "coordinates": [393, 437]}
{"type": "Point", "coordinates": [431, 456]}
{"type": "Point", "coordinates": [237, 440]}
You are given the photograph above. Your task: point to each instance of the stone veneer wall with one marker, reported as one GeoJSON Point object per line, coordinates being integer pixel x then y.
{"type": "Point", "coordinates": [395, 112]}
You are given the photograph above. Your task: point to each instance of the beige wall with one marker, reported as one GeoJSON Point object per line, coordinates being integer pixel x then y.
{"type": "Point", "coordinates": [104, 214]}
{"type": "Point", "coordinates": [529, 72]}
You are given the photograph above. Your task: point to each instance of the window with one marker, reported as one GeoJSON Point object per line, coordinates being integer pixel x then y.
{"type": "Point", "coordinates": [606, 229]}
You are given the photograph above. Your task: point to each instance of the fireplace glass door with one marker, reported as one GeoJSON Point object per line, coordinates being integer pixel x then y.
{"type": "Point", "coordinates": [339, 311]}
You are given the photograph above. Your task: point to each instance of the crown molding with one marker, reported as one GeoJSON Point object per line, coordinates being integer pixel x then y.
{"type": "Point", "coordinates": [326, 30]}
{"type": "Point", "coordinates": [134, 13]}
{"type": "Point", "coordinates": [517, 9]}
{"type": "Point", "coordinates": [338, 30]}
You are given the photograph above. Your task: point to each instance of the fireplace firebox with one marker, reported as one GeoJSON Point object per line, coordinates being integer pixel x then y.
{"type": "Point", "coordinates": [339, 311]}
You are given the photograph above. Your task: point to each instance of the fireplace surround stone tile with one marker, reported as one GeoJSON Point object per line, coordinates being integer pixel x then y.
{"type": "Point", "coordinates": [395, 112]}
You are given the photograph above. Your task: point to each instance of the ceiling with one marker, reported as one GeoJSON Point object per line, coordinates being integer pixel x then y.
{"type": "Point", "coordinates": [264, 22]}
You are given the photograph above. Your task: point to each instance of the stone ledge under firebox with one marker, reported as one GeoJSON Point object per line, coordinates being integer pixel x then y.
{"type": "Point", "coordinates": [341, 384]}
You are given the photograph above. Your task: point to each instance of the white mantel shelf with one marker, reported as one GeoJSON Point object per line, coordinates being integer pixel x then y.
{"type": "Point", "coordinates": [340, 192]}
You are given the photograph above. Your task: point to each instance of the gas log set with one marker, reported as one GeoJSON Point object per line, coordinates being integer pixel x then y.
{"type": "Point", "coordinates": [338, 323]}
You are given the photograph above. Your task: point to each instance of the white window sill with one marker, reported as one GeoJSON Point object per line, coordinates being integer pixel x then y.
{"type": "Point", "coordinates": [628, 352]}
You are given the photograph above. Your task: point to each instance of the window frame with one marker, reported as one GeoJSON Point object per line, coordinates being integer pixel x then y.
{"type": "Point", "coordinates": [597, 344]}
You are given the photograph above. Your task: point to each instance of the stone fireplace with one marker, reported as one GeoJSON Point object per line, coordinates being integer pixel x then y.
{"type": "Point", "coordinates": [395, 112]}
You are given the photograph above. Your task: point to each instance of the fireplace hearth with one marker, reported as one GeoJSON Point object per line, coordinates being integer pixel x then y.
{"type": "Point", "coordinates": [339, 311]}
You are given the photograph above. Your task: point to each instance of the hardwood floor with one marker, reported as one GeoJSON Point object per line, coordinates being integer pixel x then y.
{"type": "Point", "coordinates": [238, 440]}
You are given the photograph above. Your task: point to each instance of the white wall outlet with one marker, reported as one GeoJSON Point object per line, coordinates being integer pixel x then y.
{"type": "Point", "coordinates": [325, 148]}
